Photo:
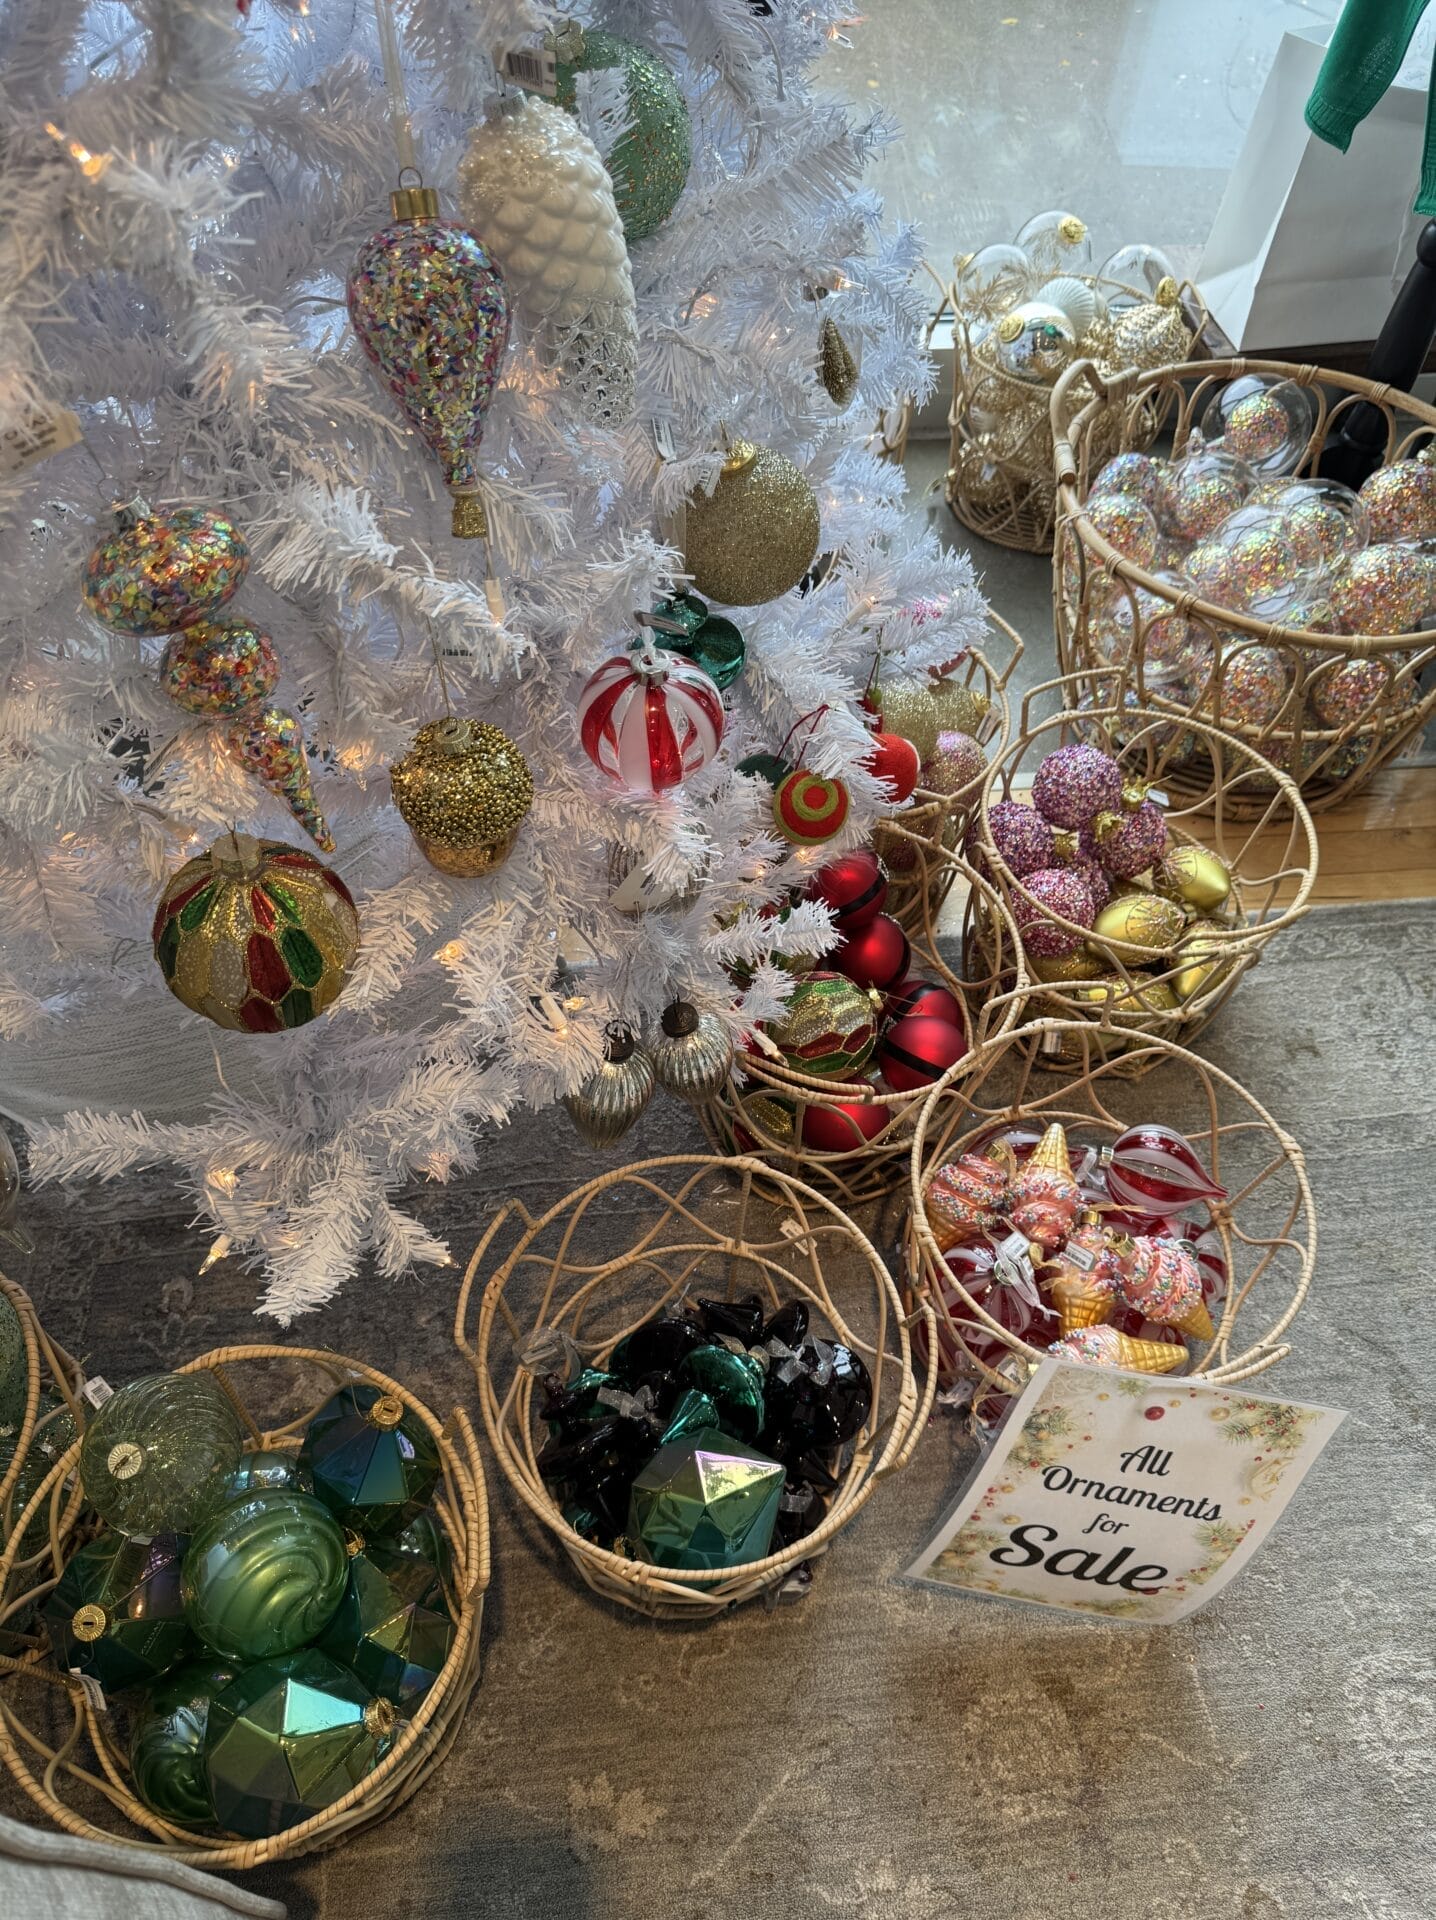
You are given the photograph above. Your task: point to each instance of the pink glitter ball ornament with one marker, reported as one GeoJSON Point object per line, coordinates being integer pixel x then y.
{"type": "Point", "coordinates": [1073, 783]}
{"type": "Point", "coordinates": [1153, 1169]}
{"type": "Point", "coordinates": [958, 761]}
{"type": "Point", "coordinates": [1093, 878]}
{"type": "Point", "coordinates": [1161, 1279]}
{"type": "Point", "coordinates": [1022, 837]}
{"type": "Point", "coordinates": [1053, 890]}
{"type": "Point", "coordinates": [1126, 844]}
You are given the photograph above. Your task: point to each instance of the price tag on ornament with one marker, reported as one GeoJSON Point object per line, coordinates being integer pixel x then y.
{"type": "Point", "coordinates": [36, 437]}
{"type": "Point", "coordinates": [92, 1690]}
{"type": "Point", "coordinates": [1124, 1495]}
{"type": "Point", "coordinates": [97, 1390]}
{"type": "Point", "coordinates": [535, 69]}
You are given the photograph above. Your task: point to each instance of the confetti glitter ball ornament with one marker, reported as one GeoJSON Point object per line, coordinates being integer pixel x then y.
{"type": "Point", "coordinates": [1126, 844]}
{"type": "Point", "coordinates": [1138, 475]}
{"type": "Point", "coordinates": [808, 809]}
{"type": "Point", "coordinates": [755, 536]}
{"type": "Point", "coordinates": [1081, 1277]}
{"type": "Point", "coordinates": [1263, 421]}
{"type": "Point", "coordinates": [1131, 275]}
{"type": "Point", "coordinates": [264, 1575]}
{"type": "Point", "coordinates": [154, 1457]}
{"type": "Point", "coordinates": [1253, 685]}
{"type": "Point", "coordinates": [1034, 342]}
{"type": "Point", "coordinates": [429, 306]}
{"type": "Point", "coordinates": [1161, 1279]}
{"type": "Point", "coordinates": [167, 1734]}
{"type": "Point", "coordinates": [993, 279]}
{"type": "Point", "coordinates": [1052, 890]}
{"type": "Point", "coordinates": [615, 1093]}
{"type": "Point", "coordinates": [964, 1199]}
{"type": "Point", "coordinates": [1384, 590]}
{"type": "Point", "coordinates": [1266, 573]}
{"type": "Point", "coordinates": [1044, 1197]}
{"type": "Point", "coordinates": [957, 765]}
{"type": "Point", "coordinates": [1400, 501]}
{"type": "Point", "coordinates": [649, 162]}
{"type": "Point", "coordinates": [837, 369]}
{"type": "Point", "coordinates": [1105, 1347]}
{"type": "Point", "coordinates": [909, 707]}
{"type": "Point", "coordinates": [535, 186]}
{"type": "Point", "coordinates": [255, 935]}
{"type": "Point", "coordinates": [877, 954]}
{"type": "Point", "coordinates": [288, 1738]}
{"type": "Point", "coordinates": [1203, 488]}
{"type": "Point", "coordinates": [705, 1502]}
{"type": "Point", "coordinates": [853, 887]}
{"type": "Point", "coordinates": [1355, 688]}
{"type": "Point", "coordinates": [1193, 877]}
{"type": "Point", "coordinates": [958, 708]}
{"type": "Point", "coordinates": [1154, 1169]}
{"type": "Point", "coordinates": [845, 1127]}
{"type": "Point", "coordinates": [1075, 783]}
{"type": "Point", "coordinates": [116, 1614]}
{"type": "Point", "coordinates": [829, 1027]}
{"type": "Point", "coordinates": [894, 762]}
{"type": "Point", "coordinates": [1055, 242]}
{"type": "Point", "coordinates": [649, 718]}
{"type": "Point", "coordinates": [1023, 836]}
{"type": "Point", "coordinates": [392, 1630]}
{"type": "Point", "coordinates": [463, 790]}
{"type": "Point", "coordinates": [919, 1049]}
{"type": "Point", "coordinates": [1208, 566]}
{"type": "Point", "coordinates": [159, 571]}
{"type": "Point", "coordinates": [1325, 516]}
{"type": "Point", "coordinates": [1140, 920]}
{"type": "Point", "coordinates": [692, 1054]}
{"type": "Point", "coordinates": [269, 743]}
{"type": "Point", "coordinates": [373, 1463]}
{"type": "Point", "coordinates": [709, 641]}
{"type": "Point", "coordinates": [219, 667]}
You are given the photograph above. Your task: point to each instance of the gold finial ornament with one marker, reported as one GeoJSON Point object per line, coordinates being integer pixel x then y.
{"type": "Point", "coordinates": [414, 203]}
{"type": "Point", "coordinates": [836, 366]}
{"type": "Point", "coordinates": [1072, 230]}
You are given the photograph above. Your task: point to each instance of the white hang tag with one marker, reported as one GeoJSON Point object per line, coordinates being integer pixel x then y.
{"type": "Point", "coordinates": [535, 69]}
{"type": "Point", "coordinates": [1082, 1258]}
{"type": "Point", "coordinates": [42, 432]}
{"type": "Point", "coordinates": [494, 598]}
{"type": "Point", "coordinates": [663, 439]}
{"type": "Point", "coordinates": [637, 891]}
{"type": "Point", "coordinates": [97, 1390]}
{"type": "Point", "coordinates": [92, 1690]}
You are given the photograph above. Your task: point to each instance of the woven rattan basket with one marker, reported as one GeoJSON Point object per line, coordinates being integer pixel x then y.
{"type": "Point", "coordinates": [1267, 1226]}
{"type": "Point", "coordinates": [620, 1248]}
{"type": "Point", "coordinates": [764, 1108]}
{"type": "Point", "coordinates": [1328, 762]}
{"type": "Point", "coordinates": [1254, 821]}
{"type": "Point", "coordinates": [66, 1754]}
{"type": "Point", "coordinates": [44, 1423]}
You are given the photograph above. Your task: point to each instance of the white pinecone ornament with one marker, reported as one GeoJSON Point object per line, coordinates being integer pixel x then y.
{"type": "Point", "coordinates": [533, 186]}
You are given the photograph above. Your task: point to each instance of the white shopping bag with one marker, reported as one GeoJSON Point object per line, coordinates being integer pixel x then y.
{"type": "Point", "coordinates": [1309, 244]}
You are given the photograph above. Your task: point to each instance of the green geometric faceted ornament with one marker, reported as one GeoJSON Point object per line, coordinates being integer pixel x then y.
{"type": "Point", "coordinates": [705, 1501]}
{"type": "Point", "coordinates": [393, 1627]}
{"type": "Point", "coordinates": [649, 163]}
{"type": "Point", "coordinates": [425, 1537]}
{"type": "Point", "coordinates": [155, 1455]}
{"type": "Point", "coordinates": [264, 1575]}
{"type": "Point", "coordinates": [692, 1412]}
{"type": "Point", "coordinates": [373, 1464]}
{"type": "Point", "coordinates": [14, 1373]}
{"type": "Point", "coordinates": [290, 1737]}
{"type": "Point", "coordinates": [116, 1614]}
{"type": "Point", "coordinates": [167, 1733]}
{"type": "Point", "coordinates": [263, 1471]}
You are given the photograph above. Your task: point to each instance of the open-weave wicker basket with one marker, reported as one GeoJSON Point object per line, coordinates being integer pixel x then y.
{"type": "Point", "coordinates": [51, 1371]}
{"type": "Point", "coordinates": [1267, 1224]}
{"type": "Point", "coordinates": [1328, 763]}
{"type": "Point", "coordinates": [47, 1722]}
{"type": "Point", "coordinates": [622, 1247]}
{"type": "Point", "coordinates": [763, 1108]}
{"type": "Point", "coordinates": [1253, 820]}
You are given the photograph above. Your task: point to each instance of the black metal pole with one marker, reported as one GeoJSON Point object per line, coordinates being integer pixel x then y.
{"type": "Point", "coordinates": [1358, 444]}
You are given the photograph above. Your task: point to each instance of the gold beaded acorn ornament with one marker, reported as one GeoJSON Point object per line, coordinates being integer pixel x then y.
{"type": "Point", "coordinates": [756, 535]}
{"type": "Point", "coordinates": [463, 789]}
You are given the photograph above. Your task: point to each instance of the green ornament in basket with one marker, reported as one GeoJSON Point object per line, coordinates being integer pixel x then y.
{"type": "Point", "coordinates": [829, 1027]}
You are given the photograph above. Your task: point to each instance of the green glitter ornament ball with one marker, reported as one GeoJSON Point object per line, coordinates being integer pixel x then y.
{"type": "Point", "coordinates": [650, 163]}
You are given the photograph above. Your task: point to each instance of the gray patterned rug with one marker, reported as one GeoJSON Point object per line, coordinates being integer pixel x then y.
{"type": "Point", "coordinates": [877, 1752]}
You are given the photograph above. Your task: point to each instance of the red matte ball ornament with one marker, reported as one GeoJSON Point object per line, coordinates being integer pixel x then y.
{"type": "Point", "coordinates": [845, 1126]}
{"type": "Point", "coordinates": [875, 955]}
{"type": "Point", "coordinates": [853, 887]}
{"type": "Point", "coordinates": [919, 1049]}
{"type": "Point", "coordinates": [896, 763]}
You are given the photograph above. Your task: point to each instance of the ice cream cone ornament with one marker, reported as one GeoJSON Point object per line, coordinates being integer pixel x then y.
{"type": "Point", "coordinates": [1164, 1281]}
{"type": "Point", "coordinates": [1082, 1281]}
{"type": "Point", "coordinates": [1105, 1347]}
{"type": "Point", "coordinates": [964, 1198]}
{"type": "Point", "coordinates": [1045, 1195]}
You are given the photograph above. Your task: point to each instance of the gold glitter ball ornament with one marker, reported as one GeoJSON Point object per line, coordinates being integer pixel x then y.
{"type": "Point", "coordinates": [1204, 961]}
{"type": "Point", "coordinates": [908, 708]}
{"type": "Point", "coordinates": [1129, 999]}
{"type": "Point", "coordinates": [463, 789]}
{"type": "Point", "coordinates": [1056, 969]}
{"type": "Point", "coordinates": [756, 534]}
{"type": "Point", "coordinates": [959, 708]}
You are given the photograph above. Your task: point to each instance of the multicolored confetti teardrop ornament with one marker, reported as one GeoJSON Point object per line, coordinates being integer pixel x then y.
{"type": "Point", "coordinates": [269, 743]}
{"type": "Point", "coordinates": [219, 667]}
{"type": "Point", "coordinates": [430, 308]}
{"type": "Point", "coordinates": [256, 935]}
{"type": "Point", "coordinates": [1155, 1169]}
{"type": "Point", "coordinates": [155, 572]}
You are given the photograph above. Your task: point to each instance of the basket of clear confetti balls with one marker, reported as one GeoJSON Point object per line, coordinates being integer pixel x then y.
{"type": "Point", "coordinates": [246, 1633]}
{"type": "Point", "coordinates": [1237, 583]}
{"type": "Point", "coordinates": [1165, 1227]}
{"type": "Point", "coordinates": [1024, 314]}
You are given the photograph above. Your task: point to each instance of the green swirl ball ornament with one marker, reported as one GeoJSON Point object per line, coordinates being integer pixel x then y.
{"type": "Point", "coordinates": [155, 1455]}
{"type": "Point", "coordinates": [116, 1614]}
{"type": "Point", "coordinates": [393, 1627]}
{"type": "Point", "coordinates": [374, 1464]}
{"type": "Point", "coordinates": [167, 1735]}
{"type": "Point", "coordinates": [264, 1575]}
{"type": "Point", "coordinates": [649, 163]}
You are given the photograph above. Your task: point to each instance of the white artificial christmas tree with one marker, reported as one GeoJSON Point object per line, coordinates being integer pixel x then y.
{"type": "Point", "coordinates": [187, 187]}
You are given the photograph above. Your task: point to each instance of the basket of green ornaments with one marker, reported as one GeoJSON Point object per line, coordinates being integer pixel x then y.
{"type": "Point", "coordinates": [1136, 910]}
{"type": "Point", "coordinates": [1241, 580]}
{"type": "Point", "coordinates": [41, 1411]}
{"type": "Point", "coordinates": [691, 1387]}
{"type": "Point", "coordinates": [1026, 312]}
{"type": "Point", "coordinates": [256, 1630]}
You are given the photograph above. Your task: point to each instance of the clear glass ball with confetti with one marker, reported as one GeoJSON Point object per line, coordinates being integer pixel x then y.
{"type": "Point", "coordinates": [1265, 421]}
{"type": "Point", "coordinates": [1204, 487]}
{"type": "Point", "coordinates": [1361, 689]}
{"type": "Point", "coordinates": [1126, 525]}
{"type": "Point", "coordinates": [1251, 687]}
{"type": "Point", "coordinates": [1272, 563]}
{"type": "Point", "coordinates": [1141, 476]}
{"type": "Point", "coordinates": [1400, 500]}
{"type": "Point", "coordinates": [1328, 522]}
{"type": "Point", "coordinates": [1384, 589]}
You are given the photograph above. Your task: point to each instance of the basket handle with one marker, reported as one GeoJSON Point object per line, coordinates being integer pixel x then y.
{"type": "Point", "coordinates": [461, 1312]}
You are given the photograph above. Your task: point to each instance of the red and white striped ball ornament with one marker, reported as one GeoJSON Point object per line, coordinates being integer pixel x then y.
{"type": "Point", "coordinates": [649, 718]}
{"type": "Point", "coordinates": [1155, 1169]}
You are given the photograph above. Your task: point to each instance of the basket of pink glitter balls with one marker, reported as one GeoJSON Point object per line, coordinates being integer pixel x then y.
{"type": "Point", "coordinates": [1138, 911]}
{"type": "Point", "coordinates": [1235, 582]}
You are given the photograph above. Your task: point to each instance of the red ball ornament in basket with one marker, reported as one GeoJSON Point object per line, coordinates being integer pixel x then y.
{"type": "Point", "coordinates": [876, 954]}
{"type": "Point", "coordinates": [927, 998]}
{"type": "Point", "coordinates": [1154, 1169]}
{"type": "Point", "coordinates": [845, 1127]}
{"type": "Point", "coordinates": [648, 718]}
{"type": "Point", "coordinates": [852, 886]}
{"type": "Point", "coordinates": [918, 1049]}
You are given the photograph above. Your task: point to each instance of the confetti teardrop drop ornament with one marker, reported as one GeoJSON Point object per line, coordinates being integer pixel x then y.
{"type": "Point", "coordinates": [1155, 1169]}
{"type": "Point", "coordinates": [269, 743]}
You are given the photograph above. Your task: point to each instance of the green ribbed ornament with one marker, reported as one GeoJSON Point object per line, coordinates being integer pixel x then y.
{"type": "Point", "coordinates": [116, 1614]}
{"type": "Point", "coordinates": [263, 1471]}
{"type": "Point", "coordinates": [393, 1627]}
{"type": "Point", "coordinates": [649, 163]}
{"type": "Point", "coordinates": [167, 1742]}
{"type": "Point", "coordinates": [155, 1455]}
{"type": "Point", "coordinates": [264, 1575]}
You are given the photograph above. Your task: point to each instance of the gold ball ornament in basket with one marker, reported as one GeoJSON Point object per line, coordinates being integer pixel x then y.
{"type": "Point", "coordinates": [756, 535]}
{"type": "Point", "coordinates": [257, 936]}
{"type": "Point", "coordinates": [463, 790]}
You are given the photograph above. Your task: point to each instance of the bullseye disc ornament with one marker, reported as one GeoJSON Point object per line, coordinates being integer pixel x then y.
{"type": "Point", "coordinates": [648, 718]}
{"type": "Point", "coordinates": [156, 572]}
{"type": "Point", "coordinates": [808, 809]}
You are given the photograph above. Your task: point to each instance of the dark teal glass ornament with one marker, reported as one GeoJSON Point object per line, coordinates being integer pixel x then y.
{"type": "Point", "coordinates": [116, 1614]}
{"type": "Point", "coordinates": [693, 1412]}
{"type": "Point", "coordinates": [572, 1403]}
{"type": "Point", "coordinates": [290, 1737]}
{"type": "Point", "coordinates": [705, 1501]}
{"type": "Point", "coordinates": [425, 1536]}
{"type": "Point", "coordinates": [710, 641]}
{"type": "Point", "coordinates": [658, 1346]}
{"type": "Point", "coordinates": [733, 1382]}
{"type": "Point", "coordinates": [263, 1471]}
{"type": "Point", "coordinates": [264, 1575]}
{"type": "Point", "coordinates": [167, 1735]}
{"type": "Point", "coordinates": [766, 766]}
{"type": "Point", "coordinates": [393, 1627]}
{"type": "Point", "coordinates": [374, 1464]}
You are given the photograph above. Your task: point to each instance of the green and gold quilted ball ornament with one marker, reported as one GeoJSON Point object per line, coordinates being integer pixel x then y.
{"type": "Point", "coordinates": [116, 1614]}
{"type": "Point", "coordinates": [373, 1463]}
{"type": "Point", "coordinates": [705, 1501]}
{"type": "Point", "coordinates": [14, 1370]}
{"type": "Point", "coordinates": [829, 1028]}
{"type": "Point", "coordinates": [167, 1733]}
{"type": "Point", "coordinates": [393, 1627]}
{"type": "Point", "coordinates": [256, 935]}
{"type": "Point", "coordinates": [155, 1456]}
{"type": "Point", "coordinates": [649, 163]}
{"type": "Point", "coordinates": [288, 1738]}
{"type": "Point", "coordinates": [263, 1470]}
{"type": "Point", "coordinates": [264, 1575]}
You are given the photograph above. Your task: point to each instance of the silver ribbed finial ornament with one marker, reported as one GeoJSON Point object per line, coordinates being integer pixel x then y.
{"type": "Point", "coordinates": [693, 1054]}
{"type": "Point", "coordinates": [613, 1096]}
